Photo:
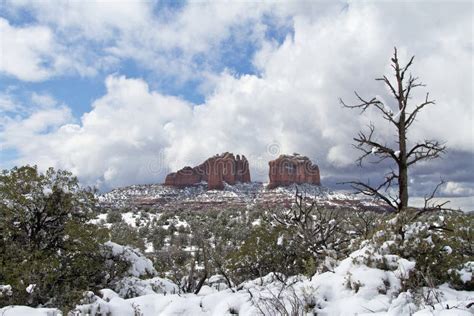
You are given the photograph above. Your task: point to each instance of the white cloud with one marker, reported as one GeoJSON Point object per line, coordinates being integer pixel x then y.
{"type": "Point", "coordinates": [132, 134]}
{"type": "Point", "coordinates": [26, 52]}
{"type": "Point", "coordinates": [43, 100]}
{"type": "Point", "coordinates": [457, 189]}
{"type": "Point", "coordinates": [183, 42]}
{"type": "Point", "coordinates": [7, 102]}
{"type": "Point", "coordinates": [118, 141]}
{"type": "Point", "coordinates": [33, 53]}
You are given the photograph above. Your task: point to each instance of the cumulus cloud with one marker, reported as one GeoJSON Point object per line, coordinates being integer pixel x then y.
{"type": "Point", "coordinates": [26, 52]}
{"type": "Point", "coordinates": [117, 142]}
{"type": "Point", "coordinates": [33, 53]}
{"type": "Point", "coordinates": [133, 134]}
{"type": "Point", "coordinates": [457, 189]}
{"type": "Point", "coordinates": [173, 41]}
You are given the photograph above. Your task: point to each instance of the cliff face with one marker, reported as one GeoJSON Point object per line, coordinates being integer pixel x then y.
{"type": "Point", "coordinates": [215, 171]}
{"type": "Point", "coordinates": [287, 169]}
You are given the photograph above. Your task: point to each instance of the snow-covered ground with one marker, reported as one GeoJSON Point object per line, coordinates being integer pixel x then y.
{"type": "Point", "coordinates": [352, 288]}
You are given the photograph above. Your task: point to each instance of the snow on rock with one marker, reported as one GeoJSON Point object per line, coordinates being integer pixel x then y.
{"type": "Point", "coordinates": [139, 264]}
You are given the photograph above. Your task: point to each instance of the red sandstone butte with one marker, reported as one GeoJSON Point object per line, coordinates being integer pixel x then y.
{"type": "Point", "coordinates": [287, 169]}
{"type": "Point", "coordinates": [215, 171]}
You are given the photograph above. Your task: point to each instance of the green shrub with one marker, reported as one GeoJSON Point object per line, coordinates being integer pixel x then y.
{"type": "Point", "coordinates": [46, 241]}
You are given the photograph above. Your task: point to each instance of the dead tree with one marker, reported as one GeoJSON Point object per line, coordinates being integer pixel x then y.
{"type": "Point", "coordinates": [317, 229]}
{"type": "Point", "coordinates": [403, 157]}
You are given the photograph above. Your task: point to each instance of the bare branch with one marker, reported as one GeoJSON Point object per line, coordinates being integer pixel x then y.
{"type": "Point", "coordinates": [418, 108]}
{"type": "Point", "coordinates": [374, 102]}
{"type": "Point", "coordinates": [366, 189]}
{"type": "Point", "coordinates": [412, 84]}
{"type": "Point", "coordinates": [366, 143]}
{"type": "Point", "coordinates": [430, 205]}
{"type": "Point", "coordinates": [406, 67]}
{"type": "Point", "coordinates": [428, 150]}
{"type": "Point", "coordinates": [389, 84]}
{"type": "Point", "coordinates": [428, 199]}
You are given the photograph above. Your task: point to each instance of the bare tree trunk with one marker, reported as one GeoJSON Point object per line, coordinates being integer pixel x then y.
{"type": "Point", "coordinates": [403, 173]}
{"type": "Point", "coordinates": [206, 269]}
{"type": "Point", "coordinates": [402, 141]}
{"type": "Point", "coordinates": [201, 283]}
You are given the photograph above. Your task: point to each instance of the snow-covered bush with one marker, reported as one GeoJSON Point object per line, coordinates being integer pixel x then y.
{"type": "Point", "coordinates": [132, 287]}
{"type": "Point", "coordinates": [441, 244]}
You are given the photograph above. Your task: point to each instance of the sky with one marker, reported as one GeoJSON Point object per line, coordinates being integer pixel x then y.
{"type": "Point", "coordinates": [123, 92]}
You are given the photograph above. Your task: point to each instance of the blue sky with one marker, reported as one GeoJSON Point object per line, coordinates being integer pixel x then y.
{"type": "Point", "coordinates": [121, 92]}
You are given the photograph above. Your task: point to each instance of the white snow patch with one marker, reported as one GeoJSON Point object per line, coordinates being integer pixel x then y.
{"type": "Point", "coordinates": [30, 288]}
{"type": "Point", "coordinates": [139, 265]}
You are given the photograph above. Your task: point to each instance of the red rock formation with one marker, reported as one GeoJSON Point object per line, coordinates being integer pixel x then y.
{"type": "Point", "coordinates": [215, 171]}
{"type": "Point", "coordinates": [183, 178]}
{"type": "Point", "coordinates": [286, 170]}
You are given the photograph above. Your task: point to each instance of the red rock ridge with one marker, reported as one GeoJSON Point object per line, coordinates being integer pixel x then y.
{"type": "Point", "coordinates": [287, 169]}
{"type": "Point", "coordinates": [215, 171]}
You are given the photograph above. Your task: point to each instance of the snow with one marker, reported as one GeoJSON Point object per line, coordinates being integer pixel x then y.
{"type": "Point", "coordinates": [355, 287]}
{"type": "Point", "coordinates": [397, 153]}
{"type": "Point", "coordinates": [280, 240]}
{"type": "Point", "coordinates": [149, 247]}
{"type": "Point", "coordinates": [404, 268]}
{"type": "Point", "coordinates": [133, 286]}
{"type": "Point", "coordinates": [396, 117]}
{"type": "Point", "coordinates": [30, 288]}
{"type": "Point", "coordinates": [28, 311]}
{"type": "Point", "coordinates": [465, 273]}
{"type": "Point", "coordinates": [448, 249]}
{"type": "Point", "coordinates": [352, 289]}
{"type": "Point", "coordinates": [129, 218]}
{"type": "Point", "coordinates": [453, 303]}
{"type": "Point", "coordinates": [256, 222]}
{"type": "Point", "coordinates": [5, 290]}
{"type": "Point", "coordinates": [99, 219]}
{"type": "Point", "coordinates": [139, 265]}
